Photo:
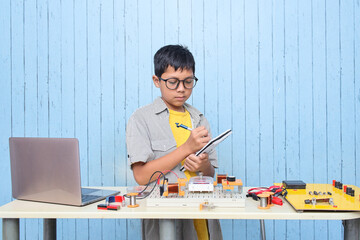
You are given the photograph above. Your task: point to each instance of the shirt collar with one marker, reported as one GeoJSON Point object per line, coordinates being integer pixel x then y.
{"type": "Point", "coordinates": [160, 106]}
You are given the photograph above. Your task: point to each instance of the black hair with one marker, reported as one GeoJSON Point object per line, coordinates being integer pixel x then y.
{"type": "Point", "coordinates": [176, 56]}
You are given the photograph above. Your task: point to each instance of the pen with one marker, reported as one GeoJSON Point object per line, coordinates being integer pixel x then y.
{"type": "Point", "coordinates": [183, 126]}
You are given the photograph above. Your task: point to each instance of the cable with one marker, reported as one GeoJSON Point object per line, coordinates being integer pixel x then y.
{"type": "Point", "coordinates": [147, 185]}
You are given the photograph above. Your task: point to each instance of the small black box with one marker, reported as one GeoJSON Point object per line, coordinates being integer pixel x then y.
{"type": "Point", "coordinates": [294, 184]}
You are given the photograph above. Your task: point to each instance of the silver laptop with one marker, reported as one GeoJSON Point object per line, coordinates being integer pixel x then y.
{"type": "Point", "coordinates": [48, 170]}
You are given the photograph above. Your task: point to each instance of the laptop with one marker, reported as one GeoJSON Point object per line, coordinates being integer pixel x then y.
{"type": "Point", "coordinates": [48, 170]}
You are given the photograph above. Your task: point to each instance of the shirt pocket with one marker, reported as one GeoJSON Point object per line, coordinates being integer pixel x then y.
{"type": "Point", "coordinates": [162, 147]}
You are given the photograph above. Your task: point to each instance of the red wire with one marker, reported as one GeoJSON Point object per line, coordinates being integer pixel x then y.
{"type": "Point", "coordinates": [164, 172]}
{"type": "Point", "coordinates": [259, 190]}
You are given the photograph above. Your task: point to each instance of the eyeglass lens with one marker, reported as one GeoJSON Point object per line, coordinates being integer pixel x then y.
{"type": "Point", "coordinates": [173, 83]}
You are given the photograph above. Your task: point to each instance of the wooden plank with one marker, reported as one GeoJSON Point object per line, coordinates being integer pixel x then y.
{"type": "Point", "coordinates": [185, 31]}
{"type": "Point", "coordinates": [121, 164]}
{"type": "Point", "coordinates": [67, 69]}
{"type": "Point", "coordinates": [55, 69]}
{"type": "Point", "coordinates": [171, 29]}
{"type": "Point", "coordinates": [17, 69]}
{"type": "Point", "coordinates": [265, 93]}
{"type": "Point", "coordinates": [252, 92]}
{"type": "Point", "coordinates": [333, 90]}
{"type": "Point", "coordinates": [347, 93]}
{"type": "Point", "coordinates": [107, 93]}
{"type": "Point", "coordinates": [197, 49]}
{"type": "Point", "coordinates": [357, 85]}
{"type": "Point", "coordinates": [145, 71]}
{"type": "Point", "coordinates": [211, 66]}
{"type": "Point", "coordinates": [42, 69]}
{"type": "Point", "coordinates": [157, 34]}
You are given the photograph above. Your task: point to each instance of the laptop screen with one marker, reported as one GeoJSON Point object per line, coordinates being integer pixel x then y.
{"type": "Point", "coordinates": [45, 169]}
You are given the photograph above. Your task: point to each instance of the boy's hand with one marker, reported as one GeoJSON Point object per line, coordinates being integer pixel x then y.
{"type": "Point", "coordinates": [199, 163]}
{"type": "Point", "coordinates": [198, 138]}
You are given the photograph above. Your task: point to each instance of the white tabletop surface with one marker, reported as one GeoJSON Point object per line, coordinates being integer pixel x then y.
{"type": "Point", "coordinates": [28, 209]}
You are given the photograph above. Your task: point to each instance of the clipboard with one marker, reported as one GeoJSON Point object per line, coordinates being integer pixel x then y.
{"type": "Point", "coordinates": [212, 144]}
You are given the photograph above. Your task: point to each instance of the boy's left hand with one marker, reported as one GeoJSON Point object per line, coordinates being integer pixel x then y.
{"type": "Point", "coordinates": [195, 163]}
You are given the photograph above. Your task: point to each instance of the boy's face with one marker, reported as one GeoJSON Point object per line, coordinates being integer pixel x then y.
{"type": "Point", "coordinates": [174, 99]}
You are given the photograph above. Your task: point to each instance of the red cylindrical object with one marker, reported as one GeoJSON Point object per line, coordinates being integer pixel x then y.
{"type": "Point", "coordinates": [334, 182]}
{"type": "Point", "coordinates": [277, 200]}
{"type": "Point", "coordinates": [119, 198]}
{"type": "Point", "coordinates": [345, 187]}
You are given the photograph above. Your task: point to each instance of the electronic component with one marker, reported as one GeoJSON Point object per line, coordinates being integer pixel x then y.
{"type": "Point", "coordinates": [132, 203]}
{"type": "Point", "coordinates": [315, 201]}
{"type": "Point", "coordinates": [217, 198]}
{"type": "Point", "coordinates": [232, 186]}
{"type": "Point", "coordinates": [325, 197]}
{"type": "Point", "coordinates": [108, 207]}
{"type": "Point", "coordinates": [219, 178]}
{"type": "Point", "coordinates": [294, 184]}
{"type": "Point", "coordinates": [201, 184]}
{"type": "Point", "coordinates": [231, 178]}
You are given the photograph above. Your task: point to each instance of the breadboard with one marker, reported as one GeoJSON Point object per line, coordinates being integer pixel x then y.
{"type": "Point", "coordinates": [217, 199]}
{"type": "Point", "coordinates": [342, 201]}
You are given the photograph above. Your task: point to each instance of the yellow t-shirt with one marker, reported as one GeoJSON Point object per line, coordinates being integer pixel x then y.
{"type": "Point", "coordinates": [181, 135]}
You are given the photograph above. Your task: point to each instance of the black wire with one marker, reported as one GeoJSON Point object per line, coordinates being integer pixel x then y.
{"type": "Point", "coordinates": [142, 197]}
{"type": "Point", "coordinates": [147, 185]}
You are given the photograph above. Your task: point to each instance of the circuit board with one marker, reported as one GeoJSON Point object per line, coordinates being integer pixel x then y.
{"type": "Point", "coordinates": [324, 197]}
{"type": "Point", "coordinates": [217, 198]}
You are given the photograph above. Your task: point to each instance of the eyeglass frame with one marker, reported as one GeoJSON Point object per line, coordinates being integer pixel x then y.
{"type": "Point", "coordinates": [178, 84]}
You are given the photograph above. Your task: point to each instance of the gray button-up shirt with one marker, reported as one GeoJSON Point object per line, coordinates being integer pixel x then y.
{"type": "Point", "coordinates": [149, 137]}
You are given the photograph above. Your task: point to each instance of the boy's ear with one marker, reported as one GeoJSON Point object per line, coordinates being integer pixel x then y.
{"type": "Point", "coordinates": [156, 81]}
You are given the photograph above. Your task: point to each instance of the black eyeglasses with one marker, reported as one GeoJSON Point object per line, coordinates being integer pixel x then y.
{"type": "Point", "coordinates": [173, 83]}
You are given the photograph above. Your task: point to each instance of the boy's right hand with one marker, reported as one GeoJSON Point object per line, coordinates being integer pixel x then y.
{"type": "Point", "coordinates": [198, 138]}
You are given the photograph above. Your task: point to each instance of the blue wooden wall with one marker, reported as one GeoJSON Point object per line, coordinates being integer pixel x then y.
{"type": "Point", "coordinates": [284, 75]}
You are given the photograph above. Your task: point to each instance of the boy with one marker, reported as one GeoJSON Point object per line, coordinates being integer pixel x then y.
{"type": "Point", "coordinates": [155, 143]}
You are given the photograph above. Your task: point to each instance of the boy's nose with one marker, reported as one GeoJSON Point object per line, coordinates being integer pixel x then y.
{"type": "Point", "coordinates": [181, 86]}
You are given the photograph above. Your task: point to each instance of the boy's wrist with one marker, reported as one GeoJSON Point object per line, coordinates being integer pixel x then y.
{"type": "Point", "coordinates": [185, 149]}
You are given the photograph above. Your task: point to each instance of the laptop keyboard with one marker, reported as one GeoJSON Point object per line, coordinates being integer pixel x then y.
{"type": "Point", "coordinates": [89, 198]}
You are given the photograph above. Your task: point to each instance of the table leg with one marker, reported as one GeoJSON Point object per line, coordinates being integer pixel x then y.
{"type": "Point", "coordinates": [351, 229]}
{"type": "Point", "coordinates": [167, 229]}
{"type": "Point", "coordinates": [49, 231]}
{"type": "Point", "coordinates": [262, 229]}
{"type": "Point", "coordinates": [10, 228]}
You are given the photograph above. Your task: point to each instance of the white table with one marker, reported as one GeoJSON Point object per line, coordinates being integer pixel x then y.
{"type": "Point", "coordinates": [13, 211]}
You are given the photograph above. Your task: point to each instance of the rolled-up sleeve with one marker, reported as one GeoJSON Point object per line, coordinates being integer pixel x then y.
{"type": "Point", "coordinates": [137, 141]}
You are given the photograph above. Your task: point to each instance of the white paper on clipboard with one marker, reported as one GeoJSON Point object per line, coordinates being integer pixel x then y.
{"type": "Point", "coordinates": [212, 144]}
